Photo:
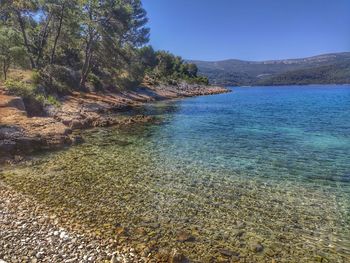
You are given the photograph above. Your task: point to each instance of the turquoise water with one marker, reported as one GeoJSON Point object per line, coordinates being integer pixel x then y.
{"type": "Point", "coordinates": [298, 133]}
{"type": "Point", "coordinates": [261, 172]}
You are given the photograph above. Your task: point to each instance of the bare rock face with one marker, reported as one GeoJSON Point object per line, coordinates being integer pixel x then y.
{"type": "Point", "coordinates": [12, 102]}
{"type": "Point", "coordinates": [20, 134]}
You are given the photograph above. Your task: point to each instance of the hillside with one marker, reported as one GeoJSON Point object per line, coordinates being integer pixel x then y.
{"type": "Point", "coordinates": [328, 68]}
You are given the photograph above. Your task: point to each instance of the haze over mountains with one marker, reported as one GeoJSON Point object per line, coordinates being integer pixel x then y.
{"type": "Point", "coordinates": [322, 69]}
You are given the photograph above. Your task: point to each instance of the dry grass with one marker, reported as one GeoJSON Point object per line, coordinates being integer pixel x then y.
{"type": "Point", "coordinates": [20, 75]}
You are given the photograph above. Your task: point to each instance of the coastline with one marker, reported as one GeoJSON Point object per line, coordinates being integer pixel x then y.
{"type": "Point", "coordinates": [24, 131]}
{"type": "Point", "coordinates": [50, 236]}
{"type": "Point", "coordinates": [283, 85]}
{"type": "Point", "coordinates": [143, 188]}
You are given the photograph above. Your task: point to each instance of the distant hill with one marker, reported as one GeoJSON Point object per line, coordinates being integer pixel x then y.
{"type": "Point", "coordinates": [322, 69]}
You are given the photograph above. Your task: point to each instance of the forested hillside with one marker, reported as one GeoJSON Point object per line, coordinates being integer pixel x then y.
{"type": "Point", "coordinates": [65, 45]}
{"type": "Point", "coordinates": [337, 73]}
{"type": "Point", "coordinates": [328, 68]}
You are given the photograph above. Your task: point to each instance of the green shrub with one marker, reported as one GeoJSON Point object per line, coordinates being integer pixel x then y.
{"type": "Point", "coordinates": [58, 79]}
{"type": "Point", "coordinates": [19, 88]}
{"type": "Point", "coordinates": [30, 93]}
{"type": "Point", "coordinates": [95, 81]}
{"type": "Point", "coordinates": [51, 100]}
{"type": "Point", "coordinates": [36, 78]}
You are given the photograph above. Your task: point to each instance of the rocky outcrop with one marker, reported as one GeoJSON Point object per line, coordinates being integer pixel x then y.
{"type": "Point", "coordinates": [80, 111]}
{"type": "Point", "coordinates": [21, 133]}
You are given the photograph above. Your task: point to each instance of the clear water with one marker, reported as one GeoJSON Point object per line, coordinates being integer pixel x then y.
{"type": "Point", "coordinates": [260, 165]}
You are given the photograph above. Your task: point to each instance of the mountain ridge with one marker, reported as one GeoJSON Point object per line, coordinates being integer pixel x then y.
{"type": "Point", "coordinates": [240, 72]}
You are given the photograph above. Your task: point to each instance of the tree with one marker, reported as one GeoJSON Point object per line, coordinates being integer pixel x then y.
{"type": "Point", "coordinates": [74, 42]}
{"type": "Point", "coordinates": [192, 70]}
{"type": "Point", "coordinates": [109, 26]}
{"type": "Point", "coordinates": [11, 49]}
{"type": "Point", "coordinates": [19, 11]}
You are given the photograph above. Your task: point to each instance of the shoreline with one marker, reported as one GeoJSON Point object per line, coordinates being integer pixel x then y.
{"type": "Point", "coordinates": [284, 85]}
{"type": "Point", "coordinates": [50, 236]}
{"type": "Point", "coordinates": [145, 189]}
{"type": "Point", "coordinates": [22, 132]}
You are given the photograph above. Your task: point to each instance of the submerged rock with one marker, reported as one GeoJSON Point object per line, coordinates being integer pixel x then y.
{"type": "Point", "coordinates": [256, 247]}
{"type": "Point", "coordinates": [183, 236]}
{"type": "Point", "coordinates": [177, 257]}
{"type": "Point", "coordinates": [228, 253]}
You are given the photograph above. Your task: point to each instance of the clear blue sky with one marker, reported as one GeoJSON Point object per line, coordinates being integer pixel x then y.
{"type": "Point", "coordinates": [249, 29]}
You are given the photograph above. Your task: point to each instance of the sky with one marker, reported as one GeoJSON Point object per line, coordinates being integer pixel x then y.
{"type": "Point", "coordinates": [249, 29]}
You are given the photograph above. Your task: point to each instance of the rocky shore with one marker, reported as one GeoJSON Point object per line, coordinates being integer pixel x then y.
{"type": "Point", "coordinates": [29, 232]}
{"type": "Point", "coordinates": [29, 235]}
{"type": "Point", "coordinates": [23, 131]}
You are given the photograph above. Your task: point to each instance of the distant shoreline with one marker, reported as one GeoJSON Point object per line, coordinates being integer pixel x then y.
{"type": "Point", "coordinates": [325, 69]}
{"type": "Point", "coordinates": [286, 85]}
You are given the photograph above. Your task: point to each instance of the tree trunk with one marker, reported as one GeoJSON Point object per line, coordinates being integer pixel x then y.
{"type": "Point", "coordinates": [86, 66]}
{"type": "Point", "coordinates": [86, 69]}
{"type": "Point", "coordinates": [58, 35]}
{"type": "Point", "coordinates": [25, 39]}
{"type": "Point", "coordinates": [43, 39]}
{"type": "Point", "coordinates": [4, 71]}
{"type": "Point", "coordinates": [5, 68]}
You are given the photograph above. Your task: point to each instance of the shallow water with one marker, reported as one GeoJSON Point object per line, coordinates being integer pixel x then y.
{"type": "Point", "coordinates": [258, 174]}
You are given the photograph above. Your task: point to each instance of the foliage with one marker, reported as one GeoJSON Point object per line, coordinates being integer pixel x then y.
{"type": "Point", "coordinates": [58, 79]}
{"type": "Point", "coordinates": [11, 50]}
{"type": "Point", "coordinates": [29, 92]}
{"type": "Point", "coordinates": [85, 44]}
{"type": "Point", "coordinates": [51, 100]}
{"type": "Point", "coordinates": [162, 66]}
{"type": "Point", "coordinates": [338, 73]}
{"type": "Point", "coordinates": [19, 88]}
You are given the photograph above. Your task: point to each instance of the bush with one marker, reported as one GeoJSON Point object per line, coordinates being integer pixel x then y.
{"type": "Point", "coordinates": [95, 81]}
{"type": "Point", "coordinates": [51, 100]}
{"type": "Point", "coordinates": [29, 93]}
{"type": "Point", "coordinates": [19, 88]}
{"type": "Point", "coordinates": [58, 79]}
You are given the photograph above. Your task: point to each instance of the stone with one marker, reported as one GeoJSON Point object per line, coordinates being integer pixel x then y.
{"type": "Point", "coordinates": [15, 102]}
{"type": "Point", "coordinates": [39, 255]}
{"type": "Point", "coordinates": [183, 236]}
{"type": "Point", "coordinates": [77, 139]}
{"type": "Point", "coordinates": [63, 235]}
{"type": "Point", "coordinates": [235, 259]}
{"type": "Point", "coordinates": [121, 231]}
{"type": "Point", "coordinates": [228, 253]}
{"type": "Point", "coordinates": [177, 257]}
{"type": "Point", "coordinates": [240, 224]}
{"type": "Point", "coordinates": [257, 247]}
{"type": "Point", "coordinates": [238, 233]}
